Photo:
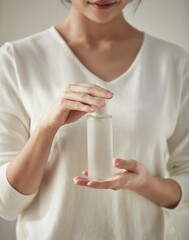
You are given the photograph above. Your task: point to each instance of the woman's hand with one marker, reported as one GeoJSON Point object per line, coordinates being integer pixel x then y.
{"type": "Point", "coordinates": [164, 192]}
{"type": "Point", "coordinates": [26, 171]}
{"type": "Point", "coordinates": [133, 176]}
{"type": "Point", "coordinates": [74, 102]}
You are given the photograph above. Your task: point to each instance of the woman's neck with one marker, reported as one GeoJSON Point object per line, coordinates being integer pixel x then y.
{"type": "Point", "coordinates": [77, 26]}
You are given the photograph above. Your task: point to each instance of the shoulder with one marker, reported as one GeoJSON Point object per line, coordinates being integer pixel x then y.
{"type": "Point", "coordinates": [30, 45]}
{"type": "Point", "coordinates": [164, 49]}
{"type": "Point", "coordinates": [166, 56]}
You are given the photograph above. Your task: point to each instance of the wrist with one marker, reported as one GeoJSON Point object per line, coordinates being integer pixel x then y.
{"type": "Point", "coordinates": [164, 192]}
{"type": "Point", "coordinates": [45, 129]}
{"type": "Point", "coordinates": [148, 185]}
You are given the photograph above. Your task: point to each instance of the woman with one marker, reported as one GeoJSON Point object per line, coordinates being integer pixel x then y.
{"type": "Point", "coordinates": [49, 82]}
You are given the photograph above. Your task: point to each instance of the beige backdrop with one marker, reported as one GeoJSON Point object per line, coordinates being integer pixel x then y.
{"type": "Point", "coordinates": [167, 19]}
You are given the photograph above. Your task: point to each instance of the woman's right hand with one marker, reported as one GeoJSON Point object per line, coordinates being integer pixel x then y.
{"type": "Point", "coordinates": [25, 172]}
{"type": "Point", "coordinates": [74, 102]}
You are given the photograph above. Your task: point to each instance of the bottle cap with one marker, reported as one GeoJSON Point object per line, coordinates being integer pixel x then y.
{"type": "Point", "coordinates": [101, 111]}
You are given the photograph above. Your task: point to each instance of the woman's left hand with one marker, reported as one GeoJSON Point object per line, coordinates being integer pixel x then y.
{"type": "Point", "coordinates": [133, 177]}
{"type": "Point", "coordinates": [162, 191]}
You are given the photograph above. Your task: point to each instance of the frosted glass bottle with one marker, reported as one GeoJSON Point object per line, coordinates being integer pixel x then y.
{"type": "Point", "coordinates": [100, 145]}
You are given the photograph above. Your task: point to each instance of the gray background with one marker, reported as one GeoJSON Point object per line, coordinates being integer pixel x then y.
{"type": "Point", "coordinates": [166, 19]}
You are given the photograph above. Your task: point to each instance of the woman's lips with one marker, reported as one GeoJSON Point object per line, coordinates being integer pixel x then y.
{"type": "Point", "coordinates": [102, 5]}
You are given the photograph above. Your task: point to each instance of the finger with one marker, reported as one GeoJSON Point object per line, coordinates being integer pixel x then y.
{"type": "Point", "coordinates": [129, 165]}
{"type": "Point", "coordinates": [117, 182]}
{"type": "Point", "coordinates": [90, 89]}
{"type": "Point", "coordinates": [83, 98]}
{"type": "Point", "coordinates": [100, 184]}
{"type": "Point", "coordinates": [85, 173]}
{"type": "Point", "coordinates": [113, 184]}
{"type": "Point", "coordinates": [77, 106]}
{"type": "Point", "coordinates": [80, 181]}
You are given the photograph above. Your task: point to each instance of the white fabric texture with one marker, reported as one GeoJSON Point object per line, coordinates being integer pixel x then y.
{"type": "Point", "coordinates": [150, 110]}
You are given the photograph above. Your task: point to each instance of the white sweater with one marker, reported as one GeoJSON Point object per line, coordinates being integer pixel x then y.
{"type": "Point", "coordinates": [150, 110]}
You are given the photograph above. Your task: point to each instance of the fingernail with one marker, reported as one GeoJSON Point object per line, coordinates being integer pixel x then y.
{"type": "Point", "coordinates": [116, 162]}
{"type": "Point", "coordinates": [100, 102]}
{"type": "Point", "coordinates": [110, 94]}
{"type": "Point", "coordinates": [74, 179]}
{"type": "Point", "coordinates": [89, 183]}
{"type": "Point", "coordinates": [91, 109]}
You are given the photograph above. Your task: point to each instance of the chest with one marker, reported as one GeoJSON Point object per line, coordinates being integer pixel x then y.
{"type": "Point", "coordinates": [107, 62]}
{"type": "Point", "coordinates": [145, 101]}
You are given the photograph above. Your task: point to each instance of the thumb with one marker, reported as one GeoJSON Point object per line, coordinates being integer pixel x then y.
{"type": "Point", "coordinates": [129, 165]}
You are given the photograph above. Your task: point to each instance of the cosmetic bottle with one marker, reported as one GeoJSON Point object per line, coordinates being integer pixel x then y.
{"type": "Point", "coordinates": [100, 145]}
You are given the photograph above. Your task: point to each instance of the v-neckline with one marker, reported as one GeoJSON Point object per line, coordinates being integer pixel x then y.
{"type": "Point", "coordinates": [86, 71]}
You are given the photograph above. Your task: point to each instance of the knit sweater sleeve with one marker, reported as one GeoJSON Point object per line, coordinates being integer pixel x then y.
{"type": "Point", "coordinates": [179, 144]}
{"type": "Point", "coordinates": [14, 133]}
